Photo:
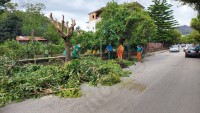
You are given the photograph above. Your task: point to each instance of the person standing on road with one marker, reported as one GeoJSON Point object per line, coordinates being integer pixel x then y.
{"type": "Point", "coordinates": [109, 48]}
{"type": "Point", "coordinates": [138, 53]}
{"type": "Point", "coordinates": [142, 53]}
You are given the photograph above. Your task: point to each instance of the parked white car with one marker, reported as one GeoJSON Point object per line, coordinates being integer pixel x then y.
{"type": "Point", "coordinates": [174, 48]}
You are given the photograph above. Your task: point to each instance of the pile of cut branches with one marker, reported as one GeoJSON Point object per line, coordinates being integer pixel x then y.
{"type": "Point", "coordinates": [33, 81]}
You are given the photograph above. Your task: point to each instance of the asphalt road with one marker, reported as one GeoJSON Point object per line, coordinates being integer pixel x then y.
{"type": "Point", "coordinates": [164, 83]}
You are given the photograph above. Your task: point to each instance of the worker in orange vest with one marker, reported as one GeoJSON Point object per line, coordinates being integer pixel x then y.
{"type": "Point", "coordinates": [139, 53]}
{"type": "Point", "coordinates": [120, 51]}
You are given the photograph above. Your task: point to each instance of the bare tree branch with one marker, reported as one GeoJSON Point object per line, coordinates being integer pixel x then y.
{"type": "Point", "coordinates": [71, 28]}
{"type": "Point", "coordinates": [65, 36]}
{"type": "Point", "coordinates": [62, 24]}
{"type": "Point", "coordinates": [55, 23]}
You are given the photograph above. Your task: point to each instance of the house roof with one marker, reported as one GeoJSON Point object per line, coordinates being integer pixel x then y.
{"type": "Point", "coordinates": [96, 11]}
{"type": "Point", "coordinates": [27, 38]}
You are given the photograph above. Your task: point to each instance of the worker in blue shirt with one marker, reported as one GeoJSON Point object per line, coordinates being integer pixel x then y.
{"type": "Point", "coordinates": [109, 48]}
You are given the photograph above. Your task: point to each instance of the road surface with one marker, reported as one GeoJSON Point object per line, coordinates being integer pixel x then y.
{"type": "Point", "coordinates": [164, 83]}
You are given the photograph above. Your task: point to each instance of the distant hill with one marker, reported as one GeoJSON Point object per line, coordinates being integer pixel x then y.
{"type": "Point", "coordinates": [185, 29]}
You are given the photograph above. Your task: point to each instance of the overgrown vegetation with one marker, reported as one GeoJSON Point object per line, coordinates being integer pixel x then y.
{"type": "Point", "coordinates": [32, 81]}
{"type": "Point", "coordinates": [128, 20]}
{"type": "Point", "coordinates": [16, 51]}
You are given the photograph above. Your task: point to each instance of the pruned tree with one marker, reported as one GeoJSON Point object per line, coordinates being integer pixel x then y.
{"type": "Point", "coordinates": [66, 36]}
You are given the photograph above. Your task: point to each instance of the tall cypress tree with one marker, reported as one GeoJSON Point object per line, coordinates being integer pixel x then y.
{"type": "Point", "coordinates": [163, 16]}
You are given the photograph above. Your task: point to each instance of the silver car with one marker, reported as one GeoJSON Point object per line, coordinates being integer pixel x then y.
{"type": "Point", "coordinates": [174, 48]}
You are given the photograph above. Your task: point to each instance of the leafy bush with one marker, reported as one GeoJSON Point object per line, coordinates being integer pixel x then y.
{"type": "Point", "coordinates": [15, 50]}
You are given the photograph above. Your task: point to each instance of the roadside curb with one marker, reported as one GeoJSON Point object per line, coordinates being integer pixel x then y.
{"type": "Point", "coordinates": [156, 52]}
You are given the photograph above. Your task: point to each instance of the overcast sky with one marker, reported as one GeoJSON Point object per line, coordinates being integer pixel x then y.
{"type": "Point", "coordinates": [79, 9]}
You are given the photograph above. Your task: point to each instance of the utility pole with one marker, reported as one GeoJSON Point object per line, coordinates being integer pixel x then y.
{"type": "Point", "coordinates": [32, 39]}
{"type": "Point", "coordinates": [101, 47]}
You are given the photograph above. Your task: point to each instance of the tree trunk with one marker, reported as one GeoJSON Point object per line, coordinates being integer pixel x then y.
{"type": "Point", "coordinates": [101, 48]}
{"type": "Point", "coordinates": [65, 36]}
{"type": "Point", "coordinates": [67, 49]}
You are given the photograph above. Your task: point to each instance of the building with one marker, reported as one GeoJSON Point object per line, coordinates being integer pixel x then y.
{"type": "Point", "coordinates": [27, 39]}
{"type": "Point", "coordinates": [94, 17]}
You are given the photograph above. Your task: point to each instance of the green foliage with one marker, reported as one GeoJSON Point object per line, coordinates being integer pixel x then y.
{"type": "Point", "coordinates": [187, 39]}
{"type": "Point", "coordinates": [6, 66]}
{"type": "Point", "coordinates": [127, 62]}
{"type": "Point", "coordinates": [194, 37]}
{"type": "Point", "coordinates": [195, 23]}
{"type": "Point", "coordinates": [52, 35]}
{"type": "Point", "coordinates": [112, 24]}
{"type": "Point", "coordinates": [12, 49]}
{"type": "Point", "coordinates": [175, 36]}
{"type": "Point", "coordinates": [88, 40]}
{"type": "Point", "coordinates": [34, 21]}
{"type": "Point", "coordinates": [140, 27]}
{"type": "Point", "coordinates": [10, 26]}
{"type": "Point", "coordinates": [55, 49]}
{"type": "Point", "coordinates": [126, 20]}
{"type": "Point", "coordinates": [20, 22]}
{"type": "Point", "coordinates": [32, 81]}
{"type": "Point", "coordinates": [16, 51]}
{"type": "Point", "coordinates": [163, 16]}
{"type": "Point", "coordinates": [70, 93]}
{"type": "Point", "coordinates": [110, 79]}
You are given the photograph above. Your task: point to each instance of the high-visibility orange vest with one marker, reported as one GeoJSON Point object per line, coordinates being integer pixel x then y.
{"type": "Point", "coordinates": [120, 48]}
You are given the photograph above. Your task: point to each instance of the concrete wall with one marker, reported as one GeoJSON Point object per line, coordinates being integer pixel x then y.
{"type": "Point", "coordinates": [91, 26]}
{"type": "Point", "coordinates": [154, 46]}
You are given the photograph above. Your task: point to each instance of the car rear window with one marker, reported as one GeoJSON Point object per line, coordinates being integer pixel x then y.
{"type": "Point", "coordinates": [197, 48]}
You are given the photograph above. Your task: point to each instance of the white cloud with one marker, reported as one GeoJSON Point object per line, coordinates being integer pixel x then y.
{"type": "Point", "coordinates": [79, 9]}
{"type": "Point", "coordinates": [183, 14]}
